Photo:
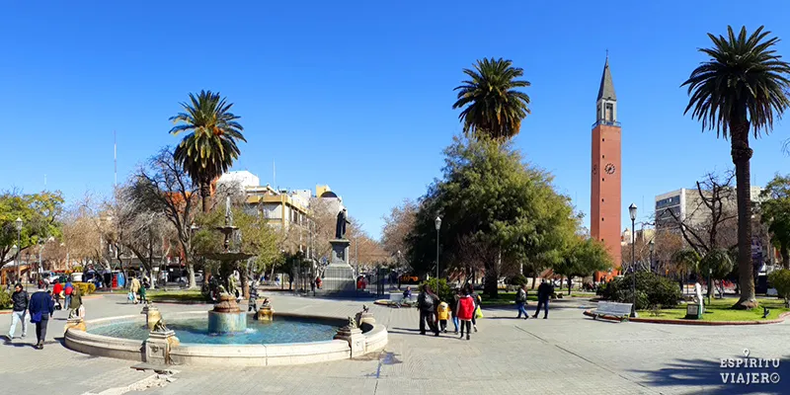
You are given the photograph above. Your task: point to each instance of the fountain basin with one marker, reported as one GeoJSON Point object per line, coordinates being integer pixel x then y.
{"type": "Point", "coordinates": [288, 340]}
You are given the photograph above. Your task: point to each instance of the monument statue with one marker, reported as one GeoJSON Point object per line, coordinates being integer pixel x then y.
{"type": "Point", "coordinates": [340, 228]}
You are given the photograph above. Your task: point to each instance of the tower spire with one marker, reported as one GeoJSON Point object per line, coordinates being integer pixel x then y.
{"type": "Point", "coordinates": [606, 91]}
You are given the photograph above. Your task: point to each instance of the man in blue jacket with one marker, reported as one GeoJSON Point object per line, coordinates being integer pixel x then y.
{"type": "Point", "coordinates": [41, 308]}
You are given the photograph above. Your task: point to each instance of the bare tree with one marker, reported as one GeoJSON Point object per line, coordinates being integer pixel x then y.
{"type": "Point", "coordinates": [712, 223]}
{"type": "Point", "coordinates": [165, 189]}
{"type": "Point", "coordinates": [397, 226]}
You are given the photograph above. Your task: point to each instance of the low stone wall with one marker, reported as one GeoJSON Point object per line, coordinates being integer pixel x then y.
{"type": "Point", "coordinates": [105, 346]}
{"type": "Point", "coordinates": [376, 338]}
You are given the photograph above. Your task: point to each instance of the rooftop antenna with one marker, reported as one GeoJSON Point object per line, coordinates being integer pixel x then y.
{"type": "Point", "coordinates": [115, 157]}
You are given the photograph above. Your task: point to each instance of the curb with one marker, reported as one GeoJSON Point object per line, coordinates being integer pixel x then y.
{"type": "Point", "coordinates": [692, 323]}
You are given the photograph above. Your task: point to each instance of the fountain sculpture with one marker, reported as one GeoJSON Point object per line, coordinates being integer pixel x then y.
{"type": "Point", "coordinates": [227, 317]}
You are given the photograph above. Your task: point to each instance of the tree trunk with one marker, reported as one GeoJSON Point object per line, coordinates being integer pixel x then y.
{"type": "Point", "coordinates": [783, 250]}
{"type": "Point", "coordinates": [570, 284]}
{"type": "Point", "coordinates": [205, 195]}
{"type": "Point", "coordinates": [741, 154]}
{"type": "Point", "coordinates": [534, 278]}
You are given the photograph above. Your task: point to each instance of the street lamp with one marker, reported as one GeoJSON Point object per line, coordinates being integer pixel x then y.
{"type": "Point", "coordinates": [18, 223]}
{"type": "Point", "coordinates": [438, 223]}
{"type": "Point", "coordinates": [652, 245]}
{"type": "Point", "coordinates": [632, 213]}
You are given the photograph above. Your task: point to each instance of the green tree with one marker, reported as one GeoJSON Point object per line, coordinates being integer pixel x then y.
{"type": "Point", "coordinates": [776, 214]}
{"type": "Point", "coordinates": [41, 219]}
{"type": "Point", "coordinates": [743, 86]}
{"type": "Point", "coordinates": [582, 258]}
{"type": "Point", "coordinates": [780, 279]}
{"type": "Point", "coordinates": [489, 198]}
{"type": "Point", "coordinates": [493, 106]}
{"type": "Point", "coordinates": [209, 148]}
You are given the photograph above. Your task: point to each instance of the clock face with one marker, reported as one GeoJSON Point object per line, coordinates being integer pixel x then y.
{"type": "Point", "coordinates": [610, 169]}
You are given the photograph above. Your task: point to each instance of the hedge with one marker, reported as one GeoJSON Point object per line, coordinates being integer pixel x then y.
{"type": "Point", "coordinates": [86, 288]}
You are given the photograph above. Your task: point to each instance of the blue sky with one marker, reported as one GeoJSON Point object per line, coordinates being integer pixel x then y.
{"type": "Point", "coordinates": [358, 95]}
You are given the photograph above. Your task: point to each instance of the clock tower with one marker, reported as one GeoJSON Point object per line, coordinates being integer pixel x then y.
{"type": "Point", "coordinates": [605, 201]}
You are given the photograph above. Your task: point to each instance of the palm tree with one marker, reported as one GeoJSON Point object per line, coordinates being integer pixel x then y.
{"type": "Point", "coordinates": [685, 261]}
{"type": "Point", "coordinates": [209, 148]}
{"type": "Point", "coordinates": [744, 85]}
{"type": "Point", "coordinates": [494, 108]}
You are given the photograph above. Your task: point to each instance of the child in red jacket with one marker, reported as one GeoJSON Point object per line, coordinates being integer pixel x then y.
{"type": "Point", "coordinates": [466, 309]}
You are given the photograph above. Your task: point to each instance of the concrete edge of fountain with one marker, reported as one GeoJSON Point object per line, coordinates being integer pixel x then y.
{"type": "Point", "coordinates": [375, 339]}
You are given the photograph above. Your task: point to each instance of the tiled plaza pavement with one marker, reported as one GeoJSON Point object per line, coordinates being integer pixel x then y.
{"type": "Point", "coordinates": [566, 354]}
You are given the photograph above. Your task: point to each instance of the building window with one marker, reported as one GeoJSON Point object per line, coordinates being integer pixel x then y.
{"type": "Point", "coordinates": [603, 139]}
{"type": "Point", "coordinates": [601, 219]}
{"type": "Point", "coordinates": [603, 156]}
{"type": "Point", "coordinates": [603, 179]}
{"type": "Point", "coordinates": [602, 200]}
{"type": "Point", "coordinates": [609, 115]}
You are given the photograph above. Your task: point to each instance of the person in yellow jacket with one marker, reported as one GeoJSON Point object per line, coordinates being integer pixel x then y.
{"type": "Point", "coordinates": [443, 312]}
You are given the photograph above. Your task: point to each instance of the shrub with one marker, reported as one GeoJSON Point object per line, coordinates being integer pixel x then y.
{"type": "Point", "coordinates": [656, 289]}
{"type": "Point", "coordinates": [86, 288]}
{"type": "Point", "coordinates": [442, 290]}
{"type": "Point", "coordinates": [5, 300]}
{"type": "Point", "coordinates": [517, 280]}
{"type": "Point", "coordinates": [780, 279]}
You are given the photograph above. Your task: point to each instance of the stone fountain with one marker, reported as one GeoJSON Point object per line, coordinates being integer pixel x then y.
{"type": "Point", "coordinates": [227, 317]}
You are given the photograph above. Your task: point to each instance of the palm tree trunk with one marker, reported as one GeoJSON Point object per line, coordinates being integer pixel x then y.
{"type": "Point", "coordinates": [741, 154]}
{"type": "Point", "coordinates": [205, 195]}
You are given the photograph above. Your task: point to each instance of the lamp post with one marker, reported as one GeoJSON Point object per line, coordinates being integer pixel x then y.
{"type": "Point", "coordinates": [652, 245]}
{"type": "Point", "coordinates": [18, 224]}
{"type": "Point", "coordinates": [632, 214]}
{"type": "Point", "coordinates": [438, 223]}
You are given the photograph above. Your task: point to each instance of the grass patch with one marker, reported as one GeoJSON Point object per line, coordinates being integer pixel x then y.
{"type": "Point", "coordinates": [720, 311]}
{"type": "Point", "coordinates": [176, 296]}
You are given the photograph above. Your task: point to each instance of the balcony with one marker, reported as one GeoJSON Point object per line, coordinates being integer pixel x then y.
{"type": "Point", "coordinates": [605, 123]}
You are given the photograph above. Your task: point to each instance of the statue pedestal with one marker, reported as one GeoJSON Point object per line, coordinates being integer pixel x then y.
{"type": "Point", "coordinates": [152, 316]}
{"type": "Point", "coordinates": [158, 346]}
{"type": "Point", "coordinates": [75, 323]}
{"type": "Point", "coordinates": [265, 313]}
{"type": "Point", "coordinates": [355, 339]}
{"type": "Point", "coordinates": [339, 276]}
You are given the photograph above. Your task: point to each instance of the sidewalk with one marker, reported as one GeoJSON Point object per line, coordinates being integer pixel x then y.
{"type": "Point", "coordinates": [566, 354]}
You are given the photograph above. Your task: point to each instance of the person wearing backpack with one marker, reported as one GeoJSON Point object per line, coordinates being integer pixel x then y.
{"type": "Point", "coordinates": [427, 302]}
{"type": "Point", "coordinates": [68, 289]}
{"type": "Point", "coordinates": [521, 301]}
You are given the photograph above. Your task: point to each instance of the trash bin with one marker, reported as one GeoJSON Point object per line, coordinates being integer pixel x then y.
{"type": "Point", "coordinates": [693, 311]}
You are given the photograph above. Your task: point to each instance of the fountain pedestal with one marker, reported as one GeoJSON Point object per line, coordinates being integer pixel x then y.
{"type": "Point", "coordinates": [158, 346]}
{"type": "Point", "coordinates": [226, 316]}
{"type": "Point", "coordinates": [265, 313]}
{"type": "Point", "coordinates": [355, 339]}
{"type": "Point", "coordinates": [77, 323]}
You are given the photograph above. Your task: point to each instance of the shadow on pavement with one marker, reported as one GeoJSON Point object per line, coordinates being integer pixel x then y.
{"type": "Point", "coordinates": [695, 373]}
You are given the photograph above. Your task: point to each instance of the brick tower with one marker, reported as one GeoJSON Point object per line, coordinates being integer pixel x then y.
{"type": "Point", "coordinates": [605, 204]}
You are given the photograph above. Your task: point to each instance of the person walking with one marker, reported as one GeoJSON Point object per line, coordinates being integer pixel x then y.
{"type": "Point", "coordinates": [75, 303]}
{"type": "Point", "coordinates": [41, 307]}
{"type": "Point", "coordinates": [545, 290]}
{"type": "Point", "coordinates": [20, 301]}
{"type": "Point", "coordinates": [252, 304]}
{"type": "Point", "coordinates": [466, 312]}
{"type": "Point", "coordinates": [57, 289]}
{"type": "Point", "coordinates": [443, 314]}
{"type": "Point", "coordinates": [68, 289]}
{"type": "Point", "coordinates": [134, 288]}
{"type": "Point", "coordinates": [454, 309]}
{"type": "Point", "coordinates": [476, 298]}
{"type": "Point", "coordinates": [427, 302]}
{"type": "Point", "coordinates": [521, 301]}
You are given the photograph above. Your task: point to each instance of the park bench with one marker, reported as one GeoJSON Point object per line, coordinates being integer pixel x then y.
{"type": "Point", "coordinates": [613, 309]}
